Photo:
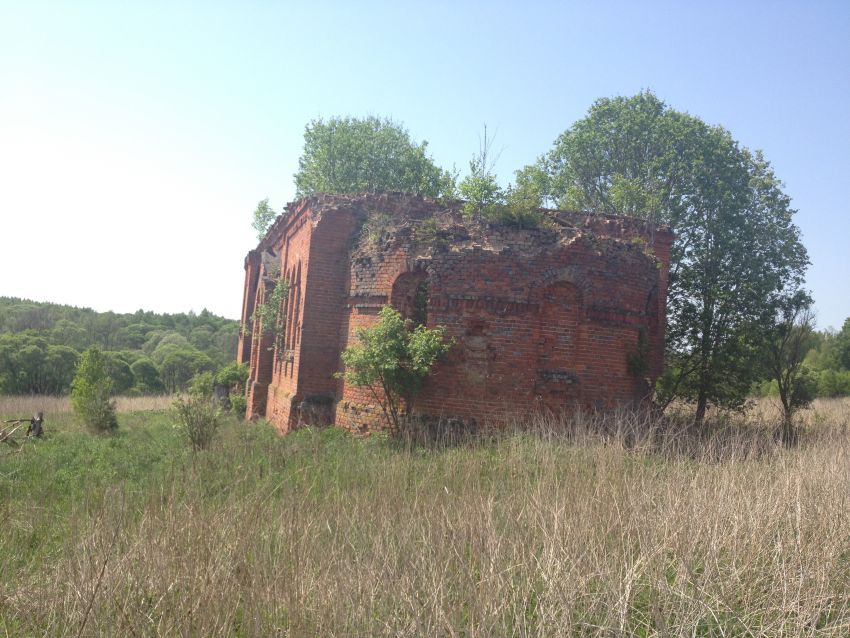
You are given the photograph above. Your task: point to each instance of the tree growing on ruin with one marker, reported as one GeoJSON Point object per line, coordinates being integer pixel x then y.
{"type": "Point", "coordinates": [354, 155]}
{"type": "Point", "coordinates": [392, 360]}
{"type": "Point", "coordinates": [264, 217]}
{"type": "Point", "coordinates": [736, 250]}
{"type": "Point", "coordinates": [485, 200]}
{"type": "Point", "coordinates": [480, 188]}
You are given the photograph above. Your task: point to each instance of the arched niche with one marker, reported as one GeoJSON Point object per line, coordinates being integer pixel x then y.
{"type": "Point", "coordinates": [558, 386]}
{"type": "Point", "coordinates": [410, 296]}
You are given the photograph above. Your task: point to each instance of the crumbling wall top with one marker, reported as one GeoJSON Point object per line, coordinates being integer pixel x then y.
{"type": "Point", "coordinates": [407, 209]}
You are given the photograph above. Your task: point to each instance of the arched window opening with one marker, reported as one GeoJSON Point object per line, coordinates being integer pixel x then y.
{"type": "Point", "coordinates": [410, 297]}
{"type": "Point", "coordinates": [293, 336]}
{"type": "Point", "coordinates": [280, 326]}
{"type": "Point", "coordinates": [265, 342]}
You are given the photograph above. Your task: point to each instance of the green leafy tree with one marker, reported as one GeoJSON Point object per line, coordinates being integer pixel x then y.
{"type": "Point", "coordinates": [178, 365]}
{"type": "Point", "coordinates": [264, 217]}
{"type": "Point", "coordinates": [202, 384]}
{"type": "Point", "coordinates": [133, 336]}
{"type": "Point", "coordinates": [842, 346]}
{"type": "Point", "coordinates": [152, 340]}
{"type": "Point", "coordinates": [531, 186]}
{"type": "Point", "coordinates": [201, 337]}
{"type": "Point", "coordinates": [833, 383]}
{"type": "Point", "coordinates": [233, 375]}
{"type": "Point", "coordinates": [146, 376]}
{"type": "Point", "coordinates": [67, 333]}
{"type": "Point", "coordinates": [352, 155]}
{"type": "Point", "coordinates": [480, 188]}
{"type": "Point", "coordinates": [30, 365]}
{"type": "Point", "coordinates": [91, 391]}
{"type": "Point", "coordinates": [822, 355]}
{"type": "Point", "coordinates": [103, 329]}
{"type": "Point", "coordinates": [393, 361]}
{"type": "Point", "coordinates": [736, 249]}
{"type": "Point", "coordinates": [517, 205]}
{"type": "Point", "coordinates": [119, 372]}
{"type": "Point", "coordinates": [32, 359]}
{"type": "Point", "coordinates": [786, 345]}
{"type": "Point", "coordinates": [62, 362]}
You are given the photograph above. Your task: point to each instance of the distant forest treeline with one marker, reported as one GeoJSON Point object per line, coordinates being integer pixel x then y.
{"type": "Point", "coordinates": [148, 353]}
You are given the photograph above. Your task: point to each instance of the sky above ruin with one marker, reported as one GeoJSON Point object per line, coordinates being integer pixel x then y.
{"type": "Point", "coordinates": [136, 139]}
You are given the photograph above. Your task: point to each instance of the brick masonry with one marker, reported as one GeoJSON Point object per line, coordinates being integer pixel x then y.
{"type": "Point", "coordinates": [567, 316]}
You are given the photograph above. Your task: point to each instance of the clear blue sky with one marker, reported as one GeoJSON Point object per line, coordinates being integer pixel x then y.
{"type": "Point", "coordinates": [136, 138]}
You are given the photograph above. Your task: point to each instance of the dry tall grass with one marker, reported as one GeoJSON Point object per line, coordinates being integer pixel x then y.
{"type": "Point", "coordinates": [26, 405]}
{"type": "Point", "coordinates": [594, 528]}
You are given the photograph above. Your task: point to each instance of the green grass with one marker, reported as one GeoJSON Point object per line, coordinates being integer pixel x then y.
{"type": "Point", "coordinates": [321, 533]}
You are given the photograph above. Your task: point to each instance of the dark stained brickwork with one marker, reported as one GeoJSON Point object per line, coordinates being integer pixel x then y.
{"type": "Point", "coordinates": [563, 317]}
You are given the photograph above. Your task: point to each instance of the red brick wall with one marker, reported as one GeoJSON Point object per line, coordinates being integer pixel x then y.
{"type": "Point", "coordinates": [544, 320]}
{"type": "Point", "coordinates": [243, 351]}
{"type": "Point", "coordinates": [294, 247]}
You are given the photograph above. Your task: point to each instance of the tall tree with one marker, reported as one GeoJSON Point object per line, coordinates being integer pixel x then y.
{"type": "Point", "coordinates": [350, 155]}
{"type": "Point", "coordinates": [787, 343]}
{"type": "Point", "coordinates": [736, 250]}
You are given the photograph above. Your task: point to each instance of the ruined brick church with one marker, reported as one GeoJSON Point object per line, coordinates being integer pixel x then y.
{"type": "Point", "coordinates": [567, 315]}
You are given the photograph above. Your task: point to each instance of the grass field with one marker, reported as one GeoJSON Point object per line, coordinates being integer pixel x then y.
{"type": "Point", "coordinates": [593, 527]}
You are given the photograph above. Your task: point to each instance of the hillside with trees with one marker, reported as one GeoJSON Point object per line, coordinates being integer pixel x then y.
{"type": "Point", "coordinates": [146, 352]}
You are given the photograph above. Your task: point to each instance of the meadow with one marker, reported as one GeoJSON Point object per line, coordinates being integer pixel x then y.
{"type": "Point", "coordinates": [593, 526]}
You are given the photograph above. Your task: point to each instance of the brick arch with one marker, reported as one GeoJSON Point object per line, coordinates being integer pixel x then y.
{"type": "Point", "coordinates": [265, 359]}
{"type": "Point", "coordinates": [410, 296]}
{"type": "Point", "coordinates": [279, 344]}
{"type": "Point", "coordinates": [559, 346]}
{"type": "Point", "coordinates": [293, 304]}
{"type": "Point", "coordinates": [567, 275]}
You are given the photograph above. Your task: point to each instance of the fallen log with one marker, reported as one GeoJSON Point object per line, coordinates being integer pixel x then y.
{"type": "Point", "coordinates": [6, 436]}
{"type": "Point", "coordinates": [36, 427]}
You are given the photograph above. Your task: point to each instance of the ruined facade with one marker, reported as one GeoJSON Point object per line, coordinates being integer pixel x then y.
{"type": "Point", "coordinates": [568, 315]}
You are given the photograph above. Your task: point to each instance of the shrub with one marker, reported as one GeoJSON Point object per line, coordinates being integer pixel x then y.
{"type": "Point", "coordinates": [513, 216]}
{"type": "Point", "coordinates": [202, 385]}
{"type": "Point", "coordinates": [90, 392]}
{"type": "Point", "coordinates": [198, 414]}
{"type": "Point", "coordinates": [428, 234]}
{"type": "Point", "coordinates": [377, 223]}
{"type": "Point", "coordinates": [393, 362]}
{"type": "Point", "coordinates": [233, 375]}
{"type": "Point", "coordinates": [198, 418]}
{"type": "Point", "coordinates": [238, 405]}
